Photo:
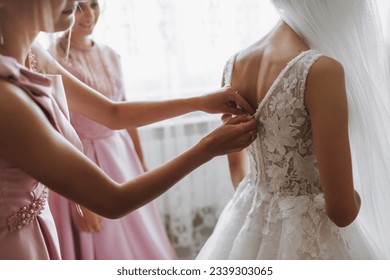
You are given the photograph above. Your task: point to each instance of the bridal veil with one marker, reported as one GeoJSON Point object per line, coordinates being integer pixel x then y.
{"type": "Point", "coordinates": [350, 32]}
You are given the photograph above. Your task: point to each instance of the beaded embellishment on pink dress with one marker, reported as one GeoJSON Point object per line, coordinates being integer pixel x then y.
{"type": "Point", "coordinates": [27, 229]}
{"type": "Point", "coordinates": [28, 213]}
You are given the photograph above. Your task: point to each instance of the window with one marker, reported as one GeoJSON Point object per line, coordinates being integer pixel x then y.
{"type": "Point", "coordinates": [173, 48]}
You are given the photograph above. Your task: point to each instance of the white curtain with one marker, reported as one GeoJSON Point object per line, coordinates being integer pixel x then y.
{"type": "Point", "coordinates": [173, 48]}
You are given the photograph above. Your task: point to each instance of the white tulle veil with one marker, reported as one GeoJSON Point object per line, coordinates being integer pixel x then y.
{"type": "Point", "coordinates": [350, 31]}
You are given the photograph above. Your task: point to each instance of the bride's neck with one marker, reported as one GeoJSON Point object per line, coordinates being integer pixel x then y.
{"type": "Point", "coordinates": [283, 33]}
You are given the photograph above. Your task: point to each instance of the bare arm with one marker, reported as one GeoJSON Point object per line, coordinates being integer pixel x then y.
{"type": "Point", "coordinates": [117, 115]}
{"type": "Point", "coordinates": [237, 163]}
{"type": "Point", "coordinates": [133, 132]}
{"type": "Point", "coordinates": [237, 167]}
{"type": "Point", "coordinates": [30, 143]}
{"type": "Point", "coordinates": [326, 102]}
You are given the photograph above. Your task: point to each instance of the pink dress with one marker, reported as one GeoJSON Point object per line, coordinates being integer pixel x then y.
{"type": "Point", "coordinates": [27, 229]}
{"type": "Point", "coordinates": [139, 235]}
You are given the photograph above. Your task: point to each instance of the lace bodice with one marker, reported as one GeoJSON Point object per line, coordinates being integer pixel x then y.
{"type": "Point", "coordinates": [278, 209]}
{"type": "Point", "coordinates": [282, 158]}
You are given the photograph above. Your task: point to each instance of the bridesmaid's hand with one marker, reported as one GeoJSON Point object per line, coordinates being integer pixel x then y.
{"type": "Point", "coordinates": [225, 100]}
{"type": "Point", "coordinates": [90, 222]}
{"type": "Point", "coordinates": [234, 135]}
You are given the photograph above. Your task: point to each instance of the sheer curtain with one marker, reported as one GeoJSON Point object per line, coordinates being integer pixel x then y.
{"type": "Point", "coordinates": [175, 48]}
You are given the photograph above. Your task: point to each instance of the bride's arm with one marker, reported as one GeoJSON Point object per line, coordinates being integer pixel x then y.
{"type": "Point", "coordinates": [326, 102]}
{"type": "Point", "coordinates": [237, 167]}
{"type": "Point", "coordinates": [118, 115]}
{"type": "Point", "coordinates": [237, 163]}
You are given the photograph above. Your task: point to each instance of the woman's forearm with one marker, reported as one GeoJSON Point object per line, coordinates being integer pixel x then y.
{"type": "Point", "coordinates": [77, 178]}
{"type": "Point", "coordinates": [225, 139]}
{"type": "Point", "coordinates": [153, 183]}
{"type": "Point", "coordinates": [84, 100]}
{"type": "Point", "coordinates": [116, 115]}
{"type": "Point", "coordinates": [144, 113]}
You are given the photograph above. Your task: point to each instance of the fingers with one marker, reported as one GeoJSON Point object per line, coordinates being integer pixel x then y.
{"type": "Point", "coordinates": [250, 125]}
{"type": "Point", "coordinates": [253, 135]}
{"type": "Point", "coordinates": [91, 228]}
{"type": "Point", "coordinates": [235, 111]}
{"type": "Point", "coordinates": [241, 103]}
{"type": "Point", "coordinates": [247, 127]}
{"type": "Point", "coordinates": [91, 224]}
{"type": "Point", "coordinates": [226, 117]}
{"type": "Point", "coordinates": [245, 139]}
{"type": "Point", "coordinates": [247, 123]}
{"type": "Point", "coordinates": [238, 119]}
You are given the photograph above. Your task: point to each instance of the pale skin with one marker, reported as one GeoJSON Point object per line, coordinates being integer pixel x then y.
{"type": "Point", "coordinates": [30, 143]}
{"type": "Point", "coordinates": [325, 99]}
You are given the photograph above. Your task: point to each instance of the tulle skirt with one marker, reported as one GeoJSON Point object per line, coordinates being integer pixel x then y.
{"type": "Point", "coordinates": [256, 224]}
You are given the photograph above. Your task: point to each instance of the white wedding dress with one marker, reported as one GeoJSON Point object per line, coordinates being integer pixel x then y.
{"type": "Point", "coordinates": [277, 211]}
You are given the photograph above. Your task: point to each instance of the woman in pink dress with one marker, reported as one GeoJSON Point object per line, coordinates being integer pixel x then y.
{"type": "Point", "coordinates": [139, 235]}
{"type": "Point", "coordinates": [39, 147]}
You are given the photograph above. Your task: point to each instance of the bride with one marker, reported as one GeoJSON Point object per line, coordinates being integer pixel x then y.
{"type": "Point", "coordinates": [319, 84]}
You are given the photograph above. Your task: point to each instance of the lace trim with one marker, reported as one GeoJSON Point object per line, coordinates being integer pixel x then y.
{"type": "Point", "coordinates": [228, 71]}
{"type": "Point", "coordinates": [303, 218]}
{"type": "Point", "coordinates": [278, 78]}
{"type": "Point", "coordinates": [302, 88]}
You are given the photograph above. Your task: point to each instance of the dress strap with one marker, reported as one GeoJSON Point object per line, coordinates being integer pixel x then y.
{"type": "Point", "coordinates": [228, 70]}
{"type": "Point", "coordinates": [307, 61]}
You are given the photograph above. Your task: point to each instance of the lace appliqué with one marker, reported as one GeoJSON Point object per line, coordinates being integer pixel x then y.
{"type": "Point", "coordinates": [228, 70]}
{"type": "Point", "coordinates": [286, 138]}
{"type": "Point", "coordinates": [284, 159]}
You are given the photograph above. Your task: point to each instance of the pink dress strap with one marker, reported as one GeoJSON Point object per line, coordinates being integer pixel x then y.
{"type": "Point", "coordinates": [40, 88]}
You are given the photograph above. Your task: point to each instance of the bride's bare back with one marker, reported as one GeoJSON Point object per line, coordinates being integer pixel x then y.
{"type": "Point", "coordinates": [257, 67]}
{"type": "Point", "coordinates": [254, 73]}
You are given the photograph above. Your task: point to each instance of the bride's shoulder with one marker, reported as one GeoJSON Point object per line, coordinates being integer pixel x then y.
{"type": "Point", "coordinates": [325, 82]}
{"type": "Point", "coordinates": [326, 64]}
{"type": "Point", "coordinates": [249, 58]}
{"type": "Point", "coordinates": [324, 71]}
